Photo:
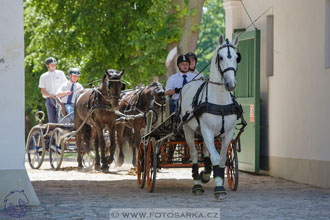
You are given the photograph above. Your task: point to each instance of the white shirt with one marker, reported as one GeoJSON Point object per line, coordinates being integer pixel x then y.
{"type": "Point", "coordinates": [51, 81]}
{"type": "Point", "coordinates": [176, 81]}
{"type": "Point", "coordinates": [67, 86]}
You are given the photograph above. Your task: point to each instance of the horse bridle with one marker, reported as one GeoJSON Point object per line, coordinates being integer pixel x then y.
{"type": "Point", "coordinates": [108, 88]}
{"type": "Point", "coordinates": [218, 58]}
{"type": "Point", "coordinates": [152, 108]}
{"type": "Point", "coordinates": [106, 98]}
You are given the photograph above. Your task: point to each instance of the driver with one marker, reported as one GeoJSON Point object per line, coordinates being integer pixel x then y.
{"type": "Point", "coordinates": [69, 90]}
{"type": "Point", "coordinates": [178, 80]}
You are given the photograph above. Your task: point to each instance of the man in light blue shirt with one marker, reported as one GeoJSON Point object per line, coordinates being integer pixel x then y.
{"type": "Point", "coordinates": [178, 80]}
{"type": "Point", "coordinates": [69, 90]}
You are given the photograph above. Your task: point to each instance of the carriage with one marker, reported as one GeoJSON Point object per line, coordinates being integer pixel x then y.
{"type": "Point", "coordinates": [165, 147]}
{"type": "Point", "coordinates": [55, 138]}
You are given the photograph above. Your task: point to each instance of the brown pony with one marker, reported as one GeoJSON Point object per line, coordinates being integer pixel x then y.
{"type": "Point", "coordinates": [96, 107]}
{"type": "Point", "coordinates": [134, 102]}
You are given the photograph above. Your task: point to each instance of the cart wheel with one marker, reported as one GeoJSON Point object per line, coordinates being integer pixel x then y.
{"type": "Point", "coordinates": [151, 168]}
{"type": "Point", "coordinates": [141, 174]}
{"type": "Point", "coordinates": [232, 167]}
{"type": "Point", "coordinates": [35, 148]}
{"type": "Point", "coordinates": [238, 146]}
{"type": "Point", "coordinates": [88, 159]}
{"type": "Point", "coordinates": [56, 149]}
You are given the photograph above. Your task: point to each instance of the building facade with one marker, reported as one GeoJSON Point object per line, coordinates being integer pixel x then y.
{"type": "Point", "coordinates": [294, 84]}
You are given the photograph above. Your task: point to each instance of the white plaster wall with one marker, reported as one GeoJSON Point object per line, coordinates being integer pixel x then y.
{"type": "Point", "coordinates": [11, 85]}
{"type": "Point", "coordinates": [298, 93]}
{"type": "Point", "coordinates": [13, 175]}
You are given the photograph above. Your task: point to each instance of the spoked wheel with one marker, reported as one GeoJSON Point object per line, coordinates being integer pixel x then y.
{"type": "Point", "coordinates": [35, 148]}
{"type": "Point", "coordinates": [88, 159]}
{"type": "Point", "coordinates": [232, 167]}
{"type": "Point", "coordinates": [88, 155]}
{"type": "Point", "coordinates": [56, 149]}
{"type": "Point", "coordinates": [151, 168]}
{"type": "Point", "coordinates": [141, 174]}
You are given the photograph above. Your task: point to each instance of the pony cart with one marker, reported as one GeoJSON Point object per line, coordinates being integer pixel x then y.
{"type": "Point", "coordinates": [55, 138]}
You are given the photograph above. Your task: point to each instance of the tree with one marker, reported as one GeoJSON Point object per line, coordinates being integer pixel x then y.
{"type": "Point", "coordinates": [189, 19]}
{"type": "Point", "coordinates": [213, 24]}
{"type": "Point", "coordinates": [95, 35]}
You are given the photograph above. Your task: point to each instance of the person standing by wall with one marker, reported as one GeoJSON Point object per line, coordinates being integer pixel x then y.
{"type": "Point", "coordinates": [49, 82]}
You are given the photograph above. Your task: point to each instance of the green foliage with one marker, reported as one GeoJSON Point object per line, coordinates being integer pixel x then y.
{"type": "Point", "coordinates": [213, 24]}
{"type": "Point", "coordinates": [95, 36]}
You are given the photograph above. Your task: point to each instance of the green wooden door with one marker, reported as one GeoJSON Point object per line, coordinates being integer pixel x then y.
{"type": "Point", "coordinates": [248, 95]}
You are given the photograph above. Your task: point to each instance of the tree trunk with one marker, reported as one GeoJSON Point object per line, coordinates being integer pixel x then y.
{"type": "Point", "coordinates": [189, 38]}
{"type": "Point", "coordinates": [177, 7]}
{"type": "Point", "coordinates": [191, 30]}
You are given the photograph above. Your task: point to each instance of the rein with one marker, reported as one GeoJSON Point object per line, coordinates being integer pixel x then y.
{"type": "Point", "coordinates": [103, 96]}
{"type": "Point", "coordinates": [134, 104]}
{"type": "Point", "coordinates": [215, 83]}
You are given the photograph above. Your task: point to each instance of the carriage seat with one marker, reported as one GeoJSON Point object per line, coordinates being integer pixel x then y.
{"type": "Point", "coordinates": [62, 116]}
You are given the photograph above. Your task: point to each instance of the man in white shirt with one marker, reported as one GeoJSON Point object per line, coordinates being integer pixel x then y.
{"type": "Point", "coordinates": [68, 91]}
{"type": "Point", "coordinates": [49, 82]}
{"type": "Point", "coordinates": [178, 80]}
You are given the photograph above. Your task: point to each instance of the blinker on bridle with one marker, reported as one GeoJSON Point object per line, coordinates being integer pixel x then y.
{"type": "Point", "coordinates": [108, 85]}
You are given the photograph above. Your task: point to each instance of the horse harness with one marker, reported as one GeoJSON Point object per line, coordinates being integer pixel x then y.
{"type": "Point", "coordinates": [132, 103]}
{"type": "Point", "coordinates": [206, 107]}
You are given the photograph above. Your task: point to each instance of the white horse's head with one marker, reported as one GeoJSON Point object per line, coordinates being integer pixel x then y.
{"type": "Point", "coordinates": [226, 58]}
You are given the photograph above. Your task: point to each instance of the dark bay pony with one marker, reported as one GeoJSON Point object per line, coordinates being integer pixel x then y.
{"type": "Point", "coordinates": [96, 107]}
{"type": "Point", "coordinates": [134, 102]}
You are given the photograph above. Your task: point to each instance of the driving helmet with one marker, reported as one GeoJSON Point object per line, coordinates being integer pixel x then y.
{"type": "Point", "coordinates": [191, 55]}
{"type": "Point", "coordinates": [50, 60]}
{"type": "Point", "coordinates": [74, 71]}
{"type": "Point", "coordinates": [182, 58]}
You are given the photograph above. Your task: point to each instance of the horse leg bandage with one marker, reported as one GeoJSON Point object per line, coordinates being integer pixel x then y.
{"type": "Point", "coordinates": [218, 174]}
{"type": "Point", "coordinates": [195, 173]}
{"type": "Point", "coordinates": [207, 165]}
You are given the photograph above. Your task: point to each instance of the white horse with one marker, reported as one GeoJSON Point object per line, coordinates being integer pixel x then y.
{"type": "Point", "coordinates": [215, 119]}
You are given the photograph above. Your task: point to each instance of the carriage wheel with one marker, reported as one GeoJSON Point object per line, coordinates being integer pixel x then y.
{"type": "Point", "coordinates": [151, 168]}
{"type": "Point", "coordinates": [88, 159]}
{"type": "Point", "coordinates": [56, 149]}
{"type": "Point", "coordinates": [232, 167]}
{"type": "Point", "coordinates": [141, 174]}
{"type": "Point", "coordinates": [35, 148]}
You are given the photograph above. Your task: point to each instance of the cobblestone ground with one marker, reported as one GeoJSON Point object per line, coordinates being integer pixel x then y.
{"type": "Point", "coordinates": [73, 194]}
